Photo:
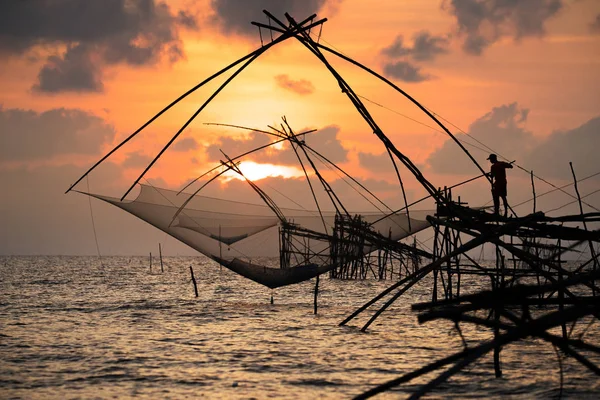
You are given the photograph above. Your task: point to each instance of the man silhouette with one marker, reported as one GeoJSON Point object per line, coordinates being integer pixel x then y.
{"type": "Point", "coordinates": [498, 174]}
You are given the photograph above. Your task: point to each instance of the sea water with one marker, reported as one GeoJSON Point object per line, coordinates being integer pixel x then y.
{"type": "Point", "coordinates": [111, 327]}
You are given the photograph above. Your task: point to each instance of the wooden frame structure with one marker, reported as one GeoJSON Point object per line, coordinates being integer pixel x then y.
{"type": "Point", "coordinates": [529, 250]}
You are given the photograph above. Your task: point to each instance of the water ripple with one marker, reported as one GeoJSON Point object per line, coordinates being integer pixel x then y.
{"type": "Point", "coordinates": [72, 327]}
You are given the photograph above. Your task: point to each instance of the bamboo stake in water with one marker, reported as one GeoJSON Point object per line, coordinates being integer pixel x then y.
{"type": "Point", "coordinates": [316, 293]}
{"type": "Point", "coordinates": [194, 281]}
{"type": "Point", "coordinates": [160, 255]}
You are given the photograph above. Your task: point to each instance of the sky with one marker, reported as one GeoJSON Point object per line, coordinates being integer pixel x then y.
{"type": "Point", "coordinates": [517, 78]}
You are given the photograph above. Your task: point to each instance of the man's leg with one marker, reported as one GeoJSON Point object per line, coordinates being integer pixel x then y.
{"type": "Point", "coordinates": [496, 202]}
{"type": "Point", "coordinates": [505, 205]}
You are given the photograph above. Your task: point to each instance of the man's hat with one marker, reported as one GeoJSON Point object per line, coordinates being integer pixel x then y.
{"type": "Point", "coordinates": [492, 157]}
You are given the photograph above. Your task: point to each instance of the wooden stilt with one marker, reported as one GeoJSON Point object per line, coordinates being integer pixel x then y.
{"type": "Point", "coordinates": [194, 281]}
{"type": "Point", "coordinates": [316, 294]}
{"type": "Point", "coordinates": [160, 255]}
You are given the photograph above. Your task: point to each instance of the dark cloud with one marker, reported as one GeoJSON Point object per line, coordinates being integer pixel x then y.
{"type": "Point", "coordinates": [133, 32]}
{"type": "Point", "coordinates": [580, 146]}
{"type": "Point", "coordinates": [75, 71]}
{"type": "Point", "coordinates": [425, 47]}
{"type": "Point", "coordinates": [389, 193]}
{"type": "Point", "coordinates": [502, 129]}
{"type": "Point", "coordinates": [483, 22]}
{"type": "Point", "coordinates": [233, 18]}
{"type": "Point", "coordinates": [595, 26]}
{"type": "Point", "coordinates": [325, 141]}
{"type": "Point", "coordinates": [301, 87]}
{"type": "Point", "coordinates": [136, 160]}
{"type": "Point", "coordinates": [405, 71]}
{"type": "Point", "coordinates": [233, 146]}
{"type": "Point", "coordinates": [187, 19]}
{"type": "Point", "coordinates": [185, 144]}
{"type": "Point", "coordinates": [474, 44]}
{"type": "Point", "coordinates": [397, 49]}
{"type": "Point", "coordinates": [375, 162]}
{"type": "Point", "coordinates": [29, 135]}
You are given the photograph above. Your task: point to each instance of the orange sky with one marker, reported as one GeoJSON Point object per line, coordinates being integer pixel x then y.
{"type": "Point", "coordinates": [552, 76]}
{"type": "Point", "coordinates": [552, 73]}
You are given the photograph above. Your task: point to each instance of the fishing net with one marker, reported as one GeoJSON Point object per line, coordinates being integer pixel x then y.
{"type": "Point", "coordinates": [241, 236]}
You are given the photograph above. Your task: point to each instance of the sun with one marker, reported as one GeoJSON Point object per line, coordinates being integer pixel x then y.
{"type": "Point", "coordinates": [255, 171]}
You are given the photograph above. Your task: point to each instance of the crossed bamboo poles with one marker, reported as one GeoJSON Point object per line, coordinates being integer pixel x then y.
{"type": "Point", "coordinates": [515, 326]}
{"type": "Point", "coordinates": [299, 31]}
{"type": "Point", "coordinates": [470, 224]}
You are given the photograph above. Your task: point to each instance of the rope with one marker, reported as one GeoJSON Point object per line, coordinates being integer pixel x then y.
{"type": "Point", "coordinates": [192, 219]}
{"type": "Point", "coordinates": [407, 117]}
{"type": "Point", "coordinates": [420, 123]}
{"type": "Point", "coordinates": [574, 201]}
{"type": "Point", "coordinates": [93, 223]}
{"type": "Point", "coordinates": [517, 165]}
{"type": "Point", "coordinates": [470, 144]}
{"type": "Point", "coordinates": [559, 188]}
{"type": "Point", "coordinates": [341, 177]}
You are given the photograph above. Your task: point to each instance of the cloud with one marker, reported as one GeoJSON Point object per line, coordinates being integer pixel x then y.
{"type": "Point", "coordinates": [325, 141]}
{"type": "Point", "coordinates": [235, 19]}
{"type": "Point", "coordinates": [425, 47]}
{"type": "Point", "coordinates": [234, 147]}
{"type": "Point", "coordinates": [405, 71]}
{"type": "Point", "coordinates": [136, 160]}
{"type": "Point", "coordinates": [185, 144]}
{"type": "Point", "coordinates": [375, 162]}
{"type": "Point", "coordinates": [595, 26]}
{"type": "Point", "coordinates": [75, 71]}
{"type": "Point", "coordinates": [579, 145]}
{"type": "Point", "coordinates": [502, 129]}
{"type": "Point", "coordinates": [397, 48]}
{"type": "Point", "coordinates": [28, 135]}
{"type": "Point", "coordinates": [187, 20]}
{"type": "Point", "coordinates": [389, 193]}
{"type": "Point", "coordinates": [295, 193]}
{"type": "Point", "coordinates": [483, 22]}
{"type": "Point", "coordinates": [96, 34]}
{"type": "Point", "coordinates": [301, 87]}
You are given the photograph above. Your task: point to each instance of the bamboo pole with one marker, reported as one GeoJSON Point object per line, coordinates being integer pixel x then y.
{"type": "Point", "coordinates": [461, 359]}
{"type": "Point", "coordinates": [312, 46]}
{"type": "Point", "coordinates": [316, 294]}
{"type": "Point", "coordinates": [249, 60]}
{"type": "Point", "coordinates": [161, 261]}
{"type": "Point", "coordinates": [253, 54]}
{"type": "Point", "coordinates": [194, 281]}
{"type": "Point", "coordinates": [533, 189]}
{"type": "Point", "coordinates": [475, 242]}
{"type": "Point", "coordinates": [590, 243]}
{"type": "Point", "coordinates": [315, 48]}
